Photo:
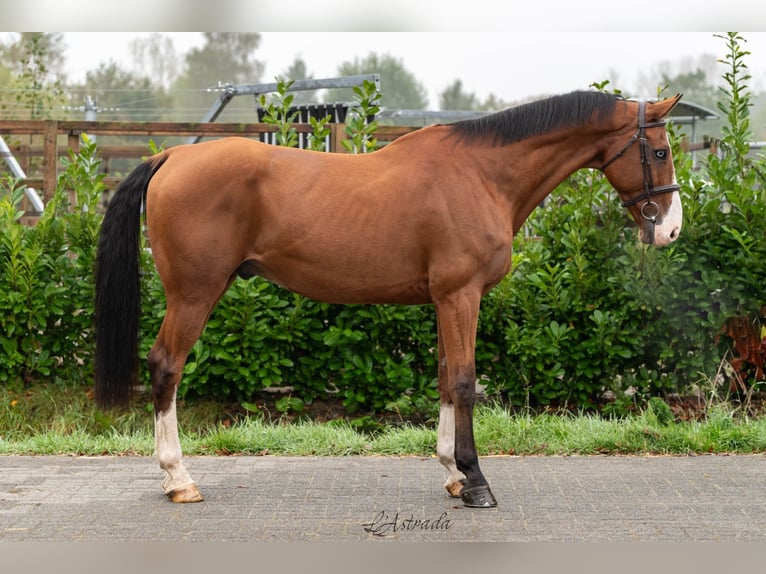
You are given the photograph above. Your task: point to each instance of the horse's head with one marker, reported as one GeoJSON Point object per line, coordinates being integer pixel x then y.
{"type": "Point", "coordinates": [641, 170]}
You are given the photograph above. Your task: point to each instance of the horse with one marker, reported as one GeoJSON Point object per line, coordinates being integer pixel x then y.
{"type": "Point", "coordinates": [428, 219]}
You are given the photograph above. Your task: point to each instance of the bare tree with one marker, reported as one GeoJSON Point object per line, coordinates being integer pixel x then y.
{"type": "Point", "coordinates": [155, 57]}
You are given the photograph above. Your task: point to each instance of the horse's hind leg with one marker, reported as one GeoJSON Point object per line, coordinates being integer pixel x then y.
{"type": "Point", "coordinates": [180, 329]}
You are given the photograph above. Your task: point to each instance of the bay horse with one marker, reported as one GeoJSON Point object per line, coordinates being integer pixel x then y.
{"type": "Point", "coordinates": [428, 219]}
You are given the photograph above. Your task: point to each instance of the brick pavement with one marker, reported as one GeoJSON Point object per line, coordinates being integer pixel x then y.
{"type": "Point", "coordinates": [273, 498]}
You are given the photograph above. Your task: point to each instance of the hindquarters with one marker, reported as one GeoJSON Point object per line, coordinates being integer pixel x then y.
{"type": "Point", "coordinates": [198, 237]}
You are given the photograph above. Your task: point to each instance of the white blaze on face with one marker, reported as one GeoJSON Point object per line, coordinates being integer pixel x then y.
{"type": "Point", "coordinates": [669, 229]}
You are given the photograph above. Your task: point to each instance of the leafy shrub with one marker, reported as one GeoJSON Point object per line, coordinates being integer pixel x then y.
{"type": "Point", "coordinates": [724, 240]}
{"type": "Point", "coordinates": [46, 306]}
{"type": "Point", "coordinates": [589, 310]}
{"type": "Point", "coordinates": [586, 311]}
{"type": "Point", "coordinates": [261, 335]}
{"type": "Point", "coordinates": [571, 320]}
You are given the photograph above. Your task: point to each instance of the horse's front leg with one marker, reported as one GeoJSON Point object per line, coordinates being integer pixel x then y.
{"type": "Point", "coordinates": [445, 445]}
{"type": "Point", "coordinates": [457, 318]}
{"type": "Point", "coordinates": [475, 491]}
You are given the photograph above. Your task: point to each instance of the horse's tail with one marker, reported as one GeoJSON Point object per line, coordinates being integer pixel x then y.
{"type": "Point", "coordinates": [118, 295]}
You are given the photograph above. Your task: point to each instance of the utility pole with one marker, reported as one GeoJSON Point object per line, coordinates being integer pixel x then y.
{"type": "Point", "coordinates": [91, 110]}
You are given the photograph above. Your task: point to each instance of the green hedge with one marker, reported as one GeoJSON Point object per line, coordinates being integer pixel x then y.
{"type": "Point", "coordinates": [261, 335]}
{"type": "Point", "coordinates": [586, 310]}
{"type": "Point", "coordinates": [46, 286]}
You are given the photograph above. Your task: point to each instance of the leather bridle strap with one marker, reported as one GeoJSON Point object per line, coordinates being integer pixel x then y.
{"type": "Point", "coordinates": [650, 210]}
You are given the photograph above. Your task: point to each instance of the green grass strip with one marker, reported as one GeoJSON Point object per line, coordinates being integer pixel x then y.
{"type": "Point", "coordinates": [497, 432]}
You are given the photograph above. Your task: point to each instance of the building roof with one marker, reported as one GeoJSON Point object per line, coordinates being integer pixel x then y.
{"type": "Point", "coordinates": [687, 112]}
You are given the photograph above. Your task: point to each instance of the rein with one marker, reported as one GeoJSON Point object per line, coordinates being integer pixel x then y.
{"type": "Point", "coordinates": [649, 210]}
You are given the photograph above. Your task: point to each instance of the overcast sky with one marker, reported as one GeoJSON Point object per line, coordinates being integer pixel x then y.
{"type": "Point", "coordinates": [515, 48]}
{"type": "Point", "coordinates": [513, 66]}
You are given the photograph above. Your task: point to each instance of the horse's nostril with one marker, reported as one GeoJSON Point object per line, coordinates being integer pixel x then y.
{"type": "Point", "coordinates": [674, 233]}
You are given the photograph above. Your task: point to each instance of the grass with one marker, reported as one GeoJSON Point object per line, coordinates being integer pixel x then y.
{"type": "Point", "coordinates": [58, 420]}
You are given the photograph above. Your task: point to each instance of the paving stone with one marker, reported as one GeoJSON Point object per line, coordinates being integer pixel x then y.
{"type": "Point", "coordinates": [274, 498]}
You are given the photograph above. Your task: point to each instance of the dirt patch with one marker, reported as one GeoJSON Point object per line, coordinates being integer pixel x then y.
{"type": "Point", "coordinates": [695, 408]}
{"type": "Point", "coordinates": [274, 407]}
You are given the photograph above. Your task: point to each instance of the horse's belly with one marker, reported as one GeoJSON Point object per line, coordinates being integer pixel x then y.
{"type": "Point", "coordinates": [338, 283]}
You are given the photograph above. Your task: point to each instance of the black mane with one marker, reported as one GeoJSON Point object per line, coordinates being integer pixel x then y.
{"type": "Point", "coordinates": [539, 117]}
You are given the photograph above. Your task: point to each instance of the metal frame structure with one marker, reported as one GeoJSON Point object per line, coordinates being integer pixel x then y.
{"type": "Point", "coordinates": [229, 91]}
{"type": "Point", "coordinates": [18, 172]}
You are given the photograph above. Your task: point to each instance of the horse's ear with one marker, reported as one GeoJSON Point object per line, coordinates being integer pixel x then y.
{"type": "Point", "coordinates": [662, 108]}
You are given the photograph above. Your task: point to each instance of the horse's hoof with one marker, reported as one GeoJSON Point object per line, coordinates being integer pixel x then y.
{"type": "Point", "coordinates": [188, 493]}
{"type": "Point", "coordinates": [454, 488]}
{"type": "Point", "coordinates": [478, 497]}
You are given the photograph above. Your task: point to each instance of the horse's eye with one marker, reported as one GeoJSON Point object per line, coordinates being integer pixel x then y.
{"type": "Point", "coordinates": [661, 153]}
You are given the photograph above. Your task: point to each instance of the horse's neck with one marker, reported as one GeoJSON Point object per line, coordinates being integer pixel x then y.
{"type": "Point", "coordinates": [530, 169]}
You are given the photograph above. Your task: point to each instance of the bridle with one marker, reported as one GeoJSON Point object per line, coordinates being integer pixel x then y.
{"type": "Point", "coordinates": [649, 210]}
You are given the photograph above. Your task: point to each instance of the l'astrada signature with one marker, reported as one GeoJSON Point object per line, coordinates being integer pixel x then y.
{"type": "Point", "coordinates": [384, 523]}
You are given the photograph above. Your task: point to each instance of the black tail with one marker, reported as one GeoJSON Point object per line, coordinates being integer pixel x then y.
{"type": "Point", "coordinates": [118, 295]}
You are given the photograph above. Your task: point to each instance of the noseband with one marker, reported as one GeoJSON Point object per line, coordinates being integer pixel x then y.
{"type": "Point", "coordinates": [649, 210]}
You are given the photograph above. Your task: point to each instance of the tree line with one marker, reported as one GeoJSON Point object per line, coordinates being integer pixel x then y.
{"type": "Point", "coordinates": [162, 84]}
{"type": "Point", "coordinates": [589, 318]}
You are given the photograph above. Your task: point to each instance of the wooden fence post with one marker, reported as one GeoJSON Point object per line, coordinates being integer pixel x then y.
{"type": "Point", "coordinates": [50, 159]}
{"type": "Point", "coordinates": [52, 129]}
{"type": "Point", "coordinates": [73, 141]}
{"type": "Point", "coordinates": [337, 135]}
